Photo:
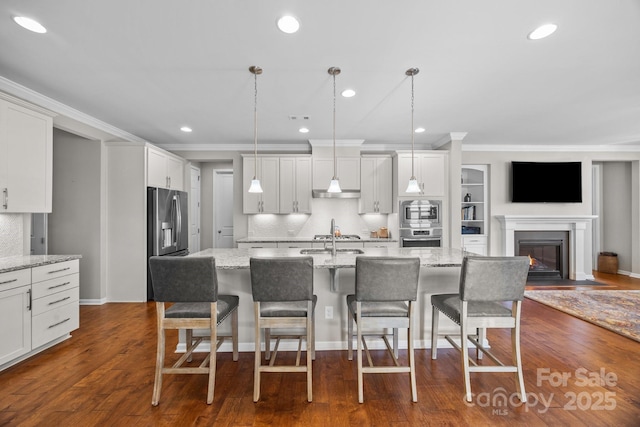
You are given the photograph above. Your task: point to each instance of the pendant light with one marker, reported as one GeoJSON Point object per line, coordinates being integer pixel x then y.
{"type": "Point", "coordinates": [413, 186]}
{"type": "Point", "coordinates": [255, 182]}
{"type": "Point", "coordinates": [334, 186]}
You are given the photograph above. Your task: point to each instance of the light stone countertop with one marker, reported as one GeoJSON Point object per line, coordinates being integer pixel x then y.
{"type": "Point", "coordinates": [309, 240]}
{"type": "Point", "coordinates": [28, 261]}
{"type": "Point", "coordinates": [233, 259]}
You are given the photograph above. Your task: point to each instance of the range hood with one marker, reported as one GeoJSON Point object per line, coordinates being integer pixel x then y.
{"type": "Point", "coordinates": [345, 194]}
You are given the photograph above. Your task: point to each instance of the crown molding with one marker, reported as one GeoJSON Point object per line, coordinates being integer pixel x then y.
{"type": "Point", "coordinates": [553, 148]}
{"type": "Point", "coordinates": [340, 142]}
{"type": "Point", "coordinates": [29, 95]}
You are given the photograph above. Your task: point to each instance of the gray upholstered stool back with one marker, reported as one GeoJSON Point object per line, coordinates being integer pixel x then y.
{"type": "Point", "coordinates": [493, 278]}
{"type": "Point", "coordinates": [282, 279]}
{"type": "Point", "coordinates": [184, 279]}
{"type": "Point", "coordinates": [387, 278]}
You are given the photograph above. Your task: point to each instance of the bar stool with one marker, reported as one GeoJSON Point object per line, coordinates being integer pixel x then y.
{"type": "Point", "coordinates": [486, 284]}
{"type": "Point", "coordinates": [283, 297]}
{"type": "Point", "coordinates": [191, 284]}
{"type": "Point", "coordinates": [386, 291]}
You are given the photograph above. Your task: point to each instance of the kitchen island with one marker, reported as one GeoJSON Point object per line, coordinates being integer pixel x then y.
{"type": "Point", "coordinates": [440, 271]}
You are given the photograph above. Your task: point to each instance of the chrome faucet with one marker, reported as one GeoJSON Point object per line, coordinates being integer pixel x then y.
{"type": "Point", "coordinates": [333, 237]}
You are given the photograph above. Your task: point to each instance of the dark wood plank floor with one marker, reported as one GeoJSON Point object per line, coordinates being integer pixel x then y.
{"type": "Point", "coordinates": [103, 376]}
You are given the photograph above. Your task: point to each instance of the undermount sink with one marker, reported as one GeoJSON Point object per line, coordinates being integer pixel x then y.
{"type": "Point", "coordinates": [319, 251]}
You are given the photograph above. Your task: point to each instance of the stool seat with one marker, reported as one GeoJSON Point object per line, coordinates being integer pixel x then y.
{"type": "Point", "coordinates": [286, 308]}
{"type": "Point", "coordinates": [226, 305]}
{"type": "Point", "coordinates": [379, 308]}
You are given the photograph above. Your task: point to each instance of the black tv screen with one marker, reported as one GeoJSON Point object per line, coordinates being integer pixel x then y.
{"type": "Point", "coordinates": [546, 182]}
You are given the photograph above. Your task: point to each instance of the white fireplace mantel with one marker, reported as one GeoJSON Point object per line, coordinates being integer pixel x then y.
{"type": "Point", "coordinates": [576, 225]}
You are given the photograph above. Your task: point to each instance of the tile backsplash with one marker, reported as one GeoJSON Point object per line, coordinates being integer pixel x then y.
{"type": "Point", "coordinates": [11, 234]}
{"type": "Point", "coordinates": [344, 211]}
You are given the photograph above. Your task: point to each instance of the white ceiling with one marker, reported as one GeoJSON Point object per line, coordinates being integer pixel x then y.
{"type": "Point", "coordinates": [150, 66]}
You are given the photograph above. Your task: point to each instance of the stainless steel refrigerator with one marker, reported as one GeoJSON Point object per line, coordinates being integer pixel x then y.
{"type": "Point", "coordinates": [167, 226]}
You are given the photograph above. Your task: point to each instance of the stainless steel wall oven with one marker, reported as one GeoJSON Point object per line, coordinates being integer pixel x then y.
{"type": "Point", "coordinates": [420, 223]}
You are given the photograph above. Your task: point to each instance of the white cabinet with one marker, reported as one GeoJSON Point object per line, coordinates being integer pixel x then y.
{"type": "Point", "coordinates": [381, 244]}
{"type": "Point", "coordinates": [295, 184]}
{"type": "Point", "coordinates": [430, 170]}
{"type": "Point", "coordinates": [26, 150]}
{"type": "Point", "coordinates": [376, 185]}
{"type": "Point", "coordinates": [56, 299]}
{"type": "Point", "coordinates": [347, 169]}
{"type": "Point", "coordinates": [268, 171]}
{"type": "Point", "coordinates": [38, 306]}
{"type": "Point", "coordinates": [474, 208]}
{"type": "Point", "coordinates": [164, 170]}
{"type": "Point", "coordinates": [257, 245]}
{"type": "Point", "coordinates": [15, 314]}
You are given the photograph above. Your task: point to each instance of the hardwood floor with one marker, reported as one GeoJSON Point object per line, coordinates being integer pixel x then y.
{"type": "Point", "coordinates": [103, 376]}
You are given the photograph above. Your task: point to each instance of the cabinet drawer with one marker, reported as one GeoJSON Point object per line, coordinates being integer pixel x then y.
{"type": "Point", "coordinates": [54, 324]}
{"type": "Point", "coordinates": [14, 279]}
{"type": "Point", "coordinates": [56, 300]}
{"type": "Point", "coordinates": [52, 286]}
{"type": "Point", "coordinates": [51, 271]}
{"type": "Point", "coordinates": [476, 240]}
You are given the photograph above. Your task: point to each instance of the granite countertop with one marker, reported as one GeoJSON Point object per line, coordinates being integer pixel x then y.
{"type": "Point", "coordinates": [27, 261]}
{"type": "Point", "coordinates": [233, 259]}
{"type": "Point", "coordinates": [308, 240]}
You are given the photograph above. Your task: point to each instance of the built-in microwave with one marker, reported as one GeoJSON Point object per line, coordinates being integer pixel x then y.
{"type": "Point", "coordinates": [420, 213]}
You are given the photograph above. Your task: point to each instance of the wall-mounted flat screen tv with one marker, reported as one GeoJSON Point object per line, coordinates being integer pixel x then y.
{"type": "Point", "coordinates": [546, 182]}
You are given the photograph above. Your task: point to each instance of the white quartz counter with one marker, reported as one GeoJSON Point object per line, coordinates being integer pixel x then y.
{"type": "Point", "coordinates": [312, 240]}
{"type": "Point", "coordinates": [230, 259]}
{"type": "Point", "coordinates": [29, 261]}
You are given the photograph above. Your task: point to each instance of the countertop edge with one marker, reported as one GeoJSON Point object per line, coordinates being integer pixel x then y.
{"type": "Point", "coordinates": [14, 263]}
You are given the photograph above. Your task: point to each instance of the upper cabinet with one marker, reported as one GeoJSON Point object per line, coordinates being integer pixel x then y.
{"type": "Point", "coordinates": [26, 158]}
{"type": "Point", "coordinates": [347, 169]}
{"type": "Point", "coordinates": [430, 170]}
{"type": "Point", "coordinates": [164, 170]}
{"type": "Point", "coordinates": [268, 172]}
{"type": "Point", "coordinates": [376, 184]}
{"type": "Point", "coordinates": [295, 184]}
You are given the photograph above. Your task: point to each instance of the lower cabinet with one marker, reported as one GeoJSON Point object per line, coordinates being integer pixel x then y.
{"type": "Point", "coordinates": [476, 244]}
{"type": "Point", "coordinates": [37, 306]}
{"type": "Point", "coordinates": [15, 314]}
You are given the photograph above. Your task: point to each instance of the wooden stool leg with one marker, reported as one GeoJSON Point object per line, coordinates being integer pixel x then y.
{"type": "Point", "coordinates": [435, 318]}
{"type": "Point", "coordinates": [258, 355]}
{"type": "Point", "coordinates": [157, 385]}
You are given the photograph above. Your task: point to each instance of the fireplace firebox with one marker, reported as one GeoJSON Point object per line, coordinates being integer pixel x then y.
{"type": "Point", "coordinates": [548, 253]}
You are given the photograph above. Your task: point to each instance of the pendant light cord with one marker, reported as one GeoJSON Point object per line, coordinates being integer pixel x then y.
{"type": "Point", "coordinates": [255, 125]}
{"type": "Point", "coordinates": [334, 126]}
{"type": "Point", "coordinates": [412, 131]}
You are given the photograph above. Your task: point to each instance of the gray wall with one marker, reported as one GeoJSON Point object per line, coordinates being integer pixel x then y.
{"type": "Point", "coordinates": [76, 220]}
{"type": "Point", "coordinates": [616, 211]}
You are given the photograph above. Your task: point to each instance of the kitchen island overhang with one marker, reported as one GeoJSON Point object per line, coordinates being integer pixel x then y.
{"type": "Point", "coordinates": [439, 273]}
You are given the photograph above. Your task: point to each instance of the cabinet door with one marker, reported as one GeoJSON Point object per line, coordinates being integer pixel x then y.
{"type": "Point", "coordinates": [432, 174]}
{"type": "Point", "coordinates": [303, 184]}
{"type": "Point", "coordinates": [368, 193]}
{"type": "Point", "coordinates": [287, 184]}
{"type": "Point", "coordinates": [26, 147]}
{"type": "Point", "coordinates": [384, 185]}
{"type": "Point", "coordinates": [175, 172]}
{"type": "Point", "coordinates": [156, 169]}
{"type": "Point", "coordinates": [404, 173]}
{"type": "Point", "coordinates": [269, 168]}
{"type": "Point", "coordinates": [15, 318]}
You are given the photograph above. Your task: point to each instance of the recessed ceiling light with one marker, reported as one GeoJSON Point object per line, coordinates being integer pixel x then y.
{"type": "Point", "coordinates": [542, 31]}
{"type": "Point", "coordinates": [303, 130]}
{"type": "Point", "coordinates": [30, 24]}
{"type": "Point", "coordinates": [288, 24]}
{"type": "Point", "coordinates": [420, 130]}
{"type": "Point", "coordinates": [348, 93]}
{"type": "Point", "coordinates": [186, 129]}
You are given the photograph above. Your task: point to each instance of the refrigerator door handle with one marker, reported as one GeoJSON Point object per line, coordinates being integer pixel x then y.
{"type": "Point", "coordinates": [178, 212]}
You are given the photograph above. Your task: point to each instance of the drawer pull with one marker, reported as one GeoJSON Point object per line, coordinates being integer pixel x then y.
{"type": "Point", "coordinates": [8, 281]}
{"type": "Point", "coordinates": [58, 286]}
{"type": "Point", "coordinates": [60, 323]}
{"type": "Point", "coordinates": [58, 271]}
{"type": "Point", "coordinates": [60, 300]}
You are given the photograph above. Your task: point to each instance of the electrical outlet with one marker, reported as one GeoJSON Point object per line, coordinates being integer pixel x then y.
{"type": "Point", "coordinates": [328, 312]}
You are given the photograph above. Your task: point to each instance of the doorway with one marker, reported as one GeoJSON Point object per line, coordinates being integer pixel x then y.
{"type": "Point", "coordinates": [194, 209]}
{"type": "Point", "coordinates": [223, 199]}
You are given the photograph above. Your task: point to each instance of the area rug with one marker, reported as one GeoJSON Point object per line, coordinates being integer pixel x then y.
{"type": "Point", "coordinates": [614, 310]}
{"type": "Point", "coordinates": [563, 283]}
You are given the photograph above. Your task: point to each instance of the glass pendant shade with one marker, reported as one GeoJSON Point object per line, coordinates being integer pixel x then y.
{"type": "Point", "coordinates": [334, 186]}
{"type": "Point", "coordinates": [255, 186]}
{"type": "Point", "coordinates": [413, 186]}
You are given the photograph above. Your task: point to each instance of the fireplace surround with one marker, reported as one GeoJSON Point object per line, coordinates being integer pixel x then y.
{"type": "Point", "coordinates": [579, 257]}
